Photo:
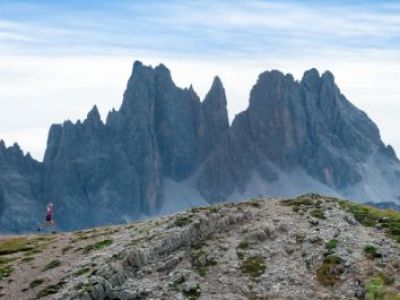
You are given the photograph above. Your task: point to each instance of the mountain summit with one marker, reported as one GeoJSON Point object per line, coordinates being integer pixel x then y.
{"type": "Point", "coordinates": [164, 150]}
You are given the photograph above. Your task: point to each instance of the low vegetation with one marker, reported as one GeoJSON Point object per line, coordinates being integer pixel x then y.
{"type": "Point", "coordinates": [6, 260]}
{"type": "Point", "coordinates": [82, 271]}
{"type": "Point", "coordinates": [51, 265]}
{"type": "Point", "coordinates": [66, 249]}
{"type": "Point", "coordinates": [243, 245]}
{"type": "Point", "coordinates": [202, 262]}
{"type": "Point", "coordinates": [331, 246]}
{"type": "Point", "coordinates": [28, 259]}
{"type": "Point", "coordinates": [98, 246]}
{"type": "Point", "coordinates": [49, 290]}
{"type": "Point", "coordinates": [253, 266]}
{"type": "Point", "coordinates": [375, 288]}
{"type": "Point", "coordinates": [14, 245]}
{"type": "Point", "coordinates": [5, 271]}
{"type": "Point", "coordinates": [371, 252]}
{"type": "Point", "coordinates": [182, 221]}
{"type": "Point", "coordinates": [367, 215]}
{"type": "Point", "coordinates": [317, 213]}
{"type": "Point", "coordinates": [35, 283]}
{"type": "Point", "coordinates": [330, 270]}
{"type": "Point", "coordinates": [194, 293]}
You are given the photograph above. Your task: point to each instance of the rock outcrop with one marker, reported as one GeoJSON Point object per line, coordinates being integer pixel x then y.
{"type": "Point", "coordinates": [165, 150]}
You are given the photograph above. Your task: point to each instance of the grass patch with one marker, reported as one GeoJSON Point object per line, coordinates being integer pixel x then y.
{"type": "Point", "coordinates": [370, 216]}
{"type": "Point", "coordinates": [254, 203]}
{"type": "Point", "coordinates": [15, 245]}
{"type": "Point", "coordinates": [82, 271]}
{"type": "Point", "coordinates": [194, 293]}
{"type": "Point", "coordinates": [202, 262]}
{"type": "Point", "coordinates": [84, 288]}
{"type": "Point", "coordinates": [182, 221]}
{"type": "Point", "coordinates": [374, 288]}
{"type": "Point", "coordinates": [49, 290]}
{"type": "Point", "coordinates": [51, 265]}
{"type": "Point", "coordinates": [371, 252]}
{"type": "Point", "coordinates": [243, 245]}
{"type": "Point", "coordinates": [32, 252]}
{"type": "Point", "coordinates": [6, 260]}
{"type": "Point", "coordinates": [66, 249]}
{"type": "Point", "coordinates": [240, 255]}
{"type": "Point", "coordinates": [28, 259]}
{"type": "Point", "coordinates": [5, 271]}
{"type": "Point", "coordinates": [328, 273]}
{"type": "Point", "coordinates": [253, 266]}
{"type": "Point", "coordinates": [317, 213]}
{"type": "Point", "coordinates": [36, 283]}
{"type": "Point", "coordinates": [97, 246]}
{"type": "Point", "coordinates": [298, 202]}
{"type": "Point", "coordinates": [331, 245]}
{"type": "Point", "coordinates": [198, 245]}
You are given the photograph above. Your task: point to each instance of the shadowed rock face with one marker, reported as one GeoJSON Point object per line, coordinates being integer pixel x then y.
{"type": "Point", "coordinates": [118, 167]}
{"type": "Point", "coordinates": [101, 173]}
{"type": "Point", "coordinates": [20, 181]}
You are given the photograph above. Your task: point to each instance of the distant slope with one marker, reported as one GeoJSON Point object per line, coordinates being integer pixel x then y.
{"type": "Point", "coordinates": [310, 247]}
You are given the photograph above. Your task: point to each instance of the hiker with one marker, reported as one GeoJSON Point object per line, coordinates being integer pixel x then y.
{"type": "Point", "coordinates": [49, 218]}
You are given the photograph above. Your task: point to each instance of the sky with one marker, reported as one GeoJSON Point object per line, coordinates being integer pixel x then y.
{"type": "Point", "coordinates": [59, 58]}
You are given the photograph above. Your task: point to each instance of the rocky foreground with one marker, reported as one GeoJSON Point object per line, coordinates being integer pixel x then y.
{"type": "Point", "coordinates": [311, 247]}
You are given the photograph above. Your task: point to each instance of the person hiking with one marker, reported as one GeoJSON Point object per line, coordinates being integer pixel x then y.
{"type": "Point", "coordinates": [49, 221]}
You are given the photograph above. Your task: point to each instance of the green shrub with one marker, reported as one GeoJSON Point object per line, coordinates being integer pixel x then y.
{"type": "Point", "coordinates": [374, 289]}
{"type": "Point", "coordinates": [371, 252]}
{"type": "Point", "coordinates": [97, 246]}
{"type": "Point", "coordinates": [5, 271]}
{"type": "Point", "coordinates": [82, 271]}
{"type": "Point", "coordinates": [317, 213]}
{"type": "Point", "coordinates": [49, 290]}
{"type": "Point", "coordinates": [182, 221]}
{"type": "Point", "coordinates": [331, 245]}
{"type": "Point", "coordinates": [28, 259]}
{"type": "Point", "coordinates": [36, 283]}
{"type": "Point", "coordinates": [253, 266]}
{"type": "Point", "coordinates": [51, 265]}
{"type": "Point", "coordinates": [194, 293]}
{"type": "Point", "coordinates": [328, 273]}
{"type": "Point", "coordinates": [243, 245]}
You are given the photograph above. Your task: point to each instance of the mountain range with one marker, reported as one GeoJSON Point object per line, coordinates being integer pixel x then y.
{"type": "Point", "coordinates": [165, 150]}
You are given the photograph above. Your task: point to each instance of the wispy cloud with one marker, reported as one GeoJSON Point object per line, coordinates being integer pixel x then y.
{"type": "Point", "coordinates": [198, 27]}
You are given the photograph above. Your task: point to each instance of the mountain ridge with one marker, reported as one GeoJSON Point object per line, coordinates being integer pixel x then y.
{"type": "Point", "coordinates": [164, 146]}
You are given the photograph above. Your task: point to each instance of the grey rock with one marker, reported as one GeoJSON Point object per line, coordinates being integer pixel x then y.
{"type": "Point", "coordinates": [118, 170]}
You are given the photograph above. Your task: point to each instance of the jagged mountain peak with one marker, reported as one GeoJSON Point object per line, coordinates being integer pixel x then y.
{"type": "Point", "coordinates": [216, 95]}
{"type": "Point", "coordinates": [93, 116]}
{"type": "Point", "coordinates": [164, 147]}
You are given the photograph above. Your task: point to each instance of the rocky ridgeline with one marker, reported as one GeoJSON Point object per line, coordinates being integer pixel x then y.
{"type": "Point", "coordinates": [310, 247]}
{"type": "Point", "coordinates": [165, 150]}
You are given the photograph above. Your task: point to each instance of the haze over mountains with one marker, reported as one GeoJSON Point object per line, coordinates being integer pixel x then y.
{"type": "Point", "coordinates": [165, 150]}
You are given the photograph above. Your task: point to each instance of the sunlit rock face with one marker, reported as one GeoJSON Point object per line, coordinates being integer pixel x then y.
{"type": "Point", "coordinates": [164, 149]}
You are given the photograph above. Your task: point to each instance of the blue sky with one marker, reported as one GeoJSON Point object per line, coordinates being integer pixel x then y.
{"type": "Point", "coordinates": [58, 58]}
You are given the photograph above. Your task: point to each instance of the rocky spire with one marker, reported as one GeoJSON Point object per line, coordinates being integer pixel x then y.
{"type": "Point", "coordinates": [215, 113]}
{"type": "Point", "coordinates": [93, 117]}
